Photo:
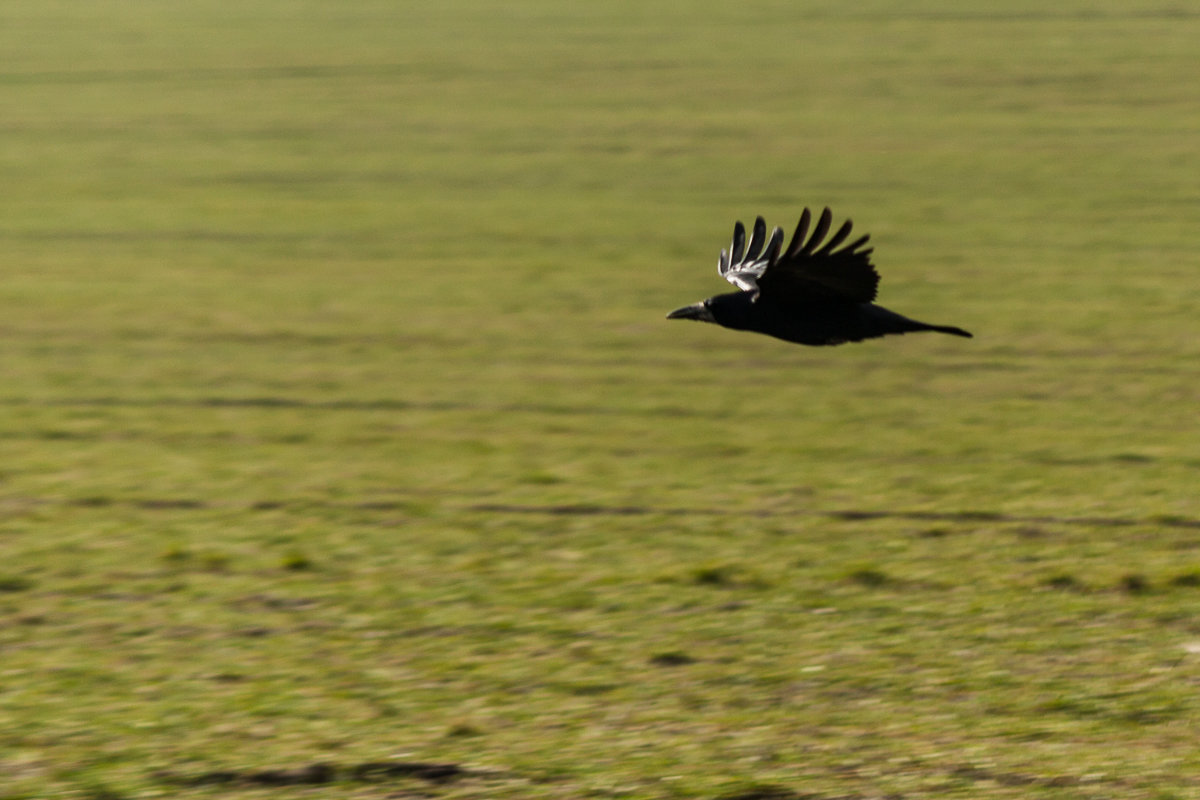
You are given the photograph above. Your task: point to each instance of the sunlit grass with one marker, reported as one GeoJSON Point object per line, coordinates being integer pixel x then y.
{"type": "Point", "coordinates": [342, 435]}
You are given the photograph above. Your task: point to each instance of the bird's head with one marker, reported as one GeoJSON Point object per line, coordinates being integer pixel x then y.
{"type": "Point", "coordinates": [733, 310]}
{"type": "Point", "coordinates": [699, 311]}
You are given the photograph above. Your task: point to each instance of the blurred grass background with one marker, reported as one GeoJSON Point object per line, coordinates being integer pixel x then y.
{"type": "Point", "coordinates": [340, 423]}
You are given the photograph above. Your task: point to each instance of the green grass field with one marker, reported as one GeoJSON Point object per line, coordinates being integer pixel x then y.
{"type": "Point", "coordinates": [341, 431]}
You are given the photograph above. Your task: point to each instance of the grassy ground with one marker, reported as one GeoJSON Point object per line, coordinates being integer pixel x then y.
{"type": "Point", "coordinates": [341, 431]}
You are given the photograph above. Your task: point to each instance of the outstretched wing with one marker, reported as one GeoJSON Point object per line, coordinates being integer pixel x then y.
{"type": "Point", "coordinates": [811, 268]}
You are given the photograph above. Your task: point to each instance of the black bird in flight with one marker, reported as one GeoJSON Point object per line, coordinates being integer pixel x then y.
{"type": "Point", "coordinates": [811, 293]}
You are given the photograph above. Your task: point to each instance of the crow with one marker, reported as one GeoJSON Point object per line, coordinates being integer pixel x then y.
{"type": "Point", "coordinates": [811, 293]}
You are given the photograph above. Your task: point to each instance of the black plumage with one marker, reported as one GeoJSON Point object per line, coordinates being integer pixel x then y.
{"type": "Point", "coordinates": [816, 292]}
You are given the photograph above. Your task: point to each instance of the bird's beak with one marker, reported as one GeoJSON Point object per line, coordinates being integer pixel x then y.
{"type": "Point", "coordinates": [698, 311]}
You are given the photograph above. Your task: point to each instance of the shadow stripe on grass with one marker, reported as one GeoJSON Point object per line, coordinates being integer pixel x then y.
{"type": "Point", "coordinates": [582, 509]}
{"type": "Point", "coordinates": [594, 509]}
{"type": "Point", "coordinates": [321, 773]}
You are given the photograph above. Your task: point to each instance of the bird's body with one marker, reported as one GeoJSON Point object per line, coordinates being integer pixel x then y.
{"type": "Point", "coordinates": [804, 295]}
{"type": "Point", "coordinates": [813, 323]}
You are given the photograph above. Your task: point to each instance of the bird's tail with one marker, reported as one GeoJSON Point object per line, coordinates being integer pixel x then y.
{"type": "Point", "coordinates": [950, 329]}
{"type": "Point", "coordinates": [879, 321]}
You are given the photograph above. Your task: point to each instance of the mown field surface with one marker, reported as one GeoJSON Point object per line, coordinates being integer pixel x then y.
{"type": "Point", "coordinates": [344, 449]}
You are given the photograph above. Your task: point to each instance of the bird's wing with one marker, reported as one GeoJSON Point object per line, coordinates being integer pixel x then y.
{"type": "Point", "coordinates": [810, 268]}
